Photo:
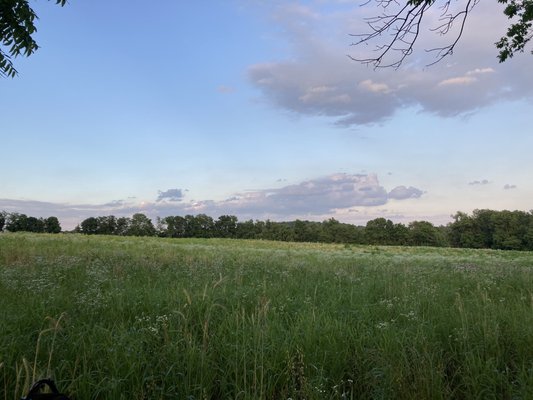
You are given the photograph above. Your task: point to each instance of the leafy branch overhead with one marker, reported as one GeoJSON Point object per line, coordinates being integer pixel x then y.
{"type": "Point", "coordinates": [520, 32]}
{"type": "Point", "coordinates": [402, 23]}
{"type": "Point", "coordinates": [17, 26]}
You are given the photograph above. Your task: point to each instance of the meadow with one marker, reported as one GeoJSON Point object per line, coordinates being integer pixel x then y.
{"type": "Point", "coordinates": [152, 318]}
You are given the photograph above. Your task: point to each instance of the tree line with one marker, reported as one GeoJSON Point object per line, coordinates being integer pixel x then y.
{"type": "Point", "coordinates": [506, 230]}
{"type": "Point", "coordinates": [15, 222]}
{"type": "Point", "coordinates": [378, 231]}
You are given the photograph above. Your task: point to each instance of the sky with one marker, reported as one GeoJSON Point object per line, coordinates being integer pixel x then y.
{"type": "Point", "coordinates": [253, 108]}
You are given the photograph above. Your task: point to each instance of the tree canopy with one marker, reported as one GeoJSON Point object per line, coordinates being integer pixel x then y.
{"type": "Point", "coordinates": [17, 26]}
{"type": "Point", "coordinates": [502, 230]}
{"type": "Point", "coordinates": [401, 22]}
{"type": "Point", "coordinates": [16, 222]}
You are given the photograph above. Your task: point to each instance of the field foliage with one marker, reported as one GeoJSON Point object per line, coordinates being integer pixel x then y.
{"type": "Point", "coordinates": [152, 318]}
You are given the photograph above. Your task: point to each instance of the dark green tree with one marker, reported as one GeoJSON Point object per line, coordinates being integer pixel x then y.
{"type": "Point", "coordinates": [423, 233]}
{"type": "Point", "coordinates": [17, 27]}
{"type": "Point", "coordinates": [379, 231]}
{"type": "Point", "coordinates": [107, 225]}
{"type": "Point", "coordinates": [334, 231]}
{"type": "Point", "coordinates": [305, 231]}
{"type": "Point", "coordinates": [331, 231]}
{"type": "Point", "coordinates": [270, 230]}
{"type": "Point", "coordinates": [260, 227]}
{"type": "Point", "coordinates": [140, 225]}
{"type": "Point", "coordinates": [226, 226]}
{"type": "Point", "coordinates": [505, 230]}
{"type": "Point", "coordinates": [528, 239]}
{"type": "Point", "coordinates": [483, 221]}
{"type": "Point", "coordinates": [464, 232]}
{"type": "Point", "coordinates": [510, 230]}
{"type": "Point", "coordinates": [199, 226]}
{"type": "Point", "coordinates": [247, 230]}
{"type": "Point", "coordinates": [192, 228]}
{"type": "Point", "coordinates": [51, 225]}
{"type": "Point", "coordinates": [174, 227]}
{"type": "Point", "coordinates": [122, 226]}
{"type": "Point", "coordinates": [206, 225]}
{"type": "Point", "coordinates": [89, 226]}
{"type": "Point", "coordinates": [400, 234]}
{"type": "Point", "coordinates": [16, 222]}
{"type": "Point", "coordinates": [35, 225]}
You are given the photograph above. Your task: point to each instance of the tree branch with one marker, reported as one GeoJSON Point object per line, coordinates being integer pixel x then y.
{"type": "Point", "coordinates": [404, 29]}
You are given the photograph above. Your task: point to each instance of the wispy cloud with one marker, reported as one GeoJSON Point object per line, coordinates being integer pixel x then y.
{"type": "Point", "coordinates": [482, 182]}
{"type": "Point", "coordinates": [468, 78]}
{"type": "Point", "coordinates": [459, 80]}
{"type": "Point", "coordinates": [509, 187]}
{"type": "Point", "coordinates": [478, 71]}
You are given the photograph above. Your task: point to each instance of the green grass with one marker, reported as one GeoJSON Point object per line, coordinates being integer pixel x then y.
{"type": "Point", "coordinates": [149, 318]}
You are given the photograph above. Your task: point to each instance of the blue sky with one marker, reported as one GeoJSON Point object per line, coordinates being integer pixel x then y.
{"type": "Point", "coordinates": [254, 109]}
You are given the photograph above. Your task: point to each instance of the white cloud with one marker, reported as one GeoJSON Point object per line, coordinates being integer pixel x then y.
{"type": "Point", "coordinates": [481, 71]}
{"type": "Point", "coordinates": [318, 79]}
{"type": "Point", "coordinates": [468, 78]}
{"type": "Point", "coordinates": [460, 80]}
{"type": "Point", "coordinates": [373, 87]}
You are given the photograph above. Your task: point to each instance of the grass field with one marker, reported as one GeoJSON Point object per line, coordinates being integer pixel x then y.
{"type": "Point", "coordinates": [150, 318]}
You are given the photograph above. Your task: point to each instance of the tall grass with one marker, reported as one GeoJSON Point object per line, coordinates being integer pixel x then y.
{"type": "Point", "coordinates": [149, 318]}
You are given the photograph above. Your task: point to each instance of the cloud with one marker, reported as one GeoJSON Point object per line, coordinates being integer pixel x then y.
{"type": "Point", "coordinates": [311, 198]}
{"type": "Point", "coordinates": [402, 193]}
{"type": "Point", "coordinates": [478, 71]}
{"type": "Point", "coordinates": [115, 203]}
{"type": "Point", "coordinates": [324, 94]}
{"type": "Point", "coordinates": [468, 78]}
{"type": "Point", "coordinates": [315, 198]}
{"type": "Point", "coordinates": [225, 89]}
{"type": "Point", "coordinates": [308, 199]}
{"type": "Point", "coordinates": [317, 78]}
{"type": "Point", "coordinates": [170, 195]}
{"type": "Point", "coordinates": [482, 182]}
{"type": "Point", "coordinates": [509, 187]}
{"type": "Point", "coordinates": [374, 87]}
{"type": "Point", "coordinates": [460, 80]}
